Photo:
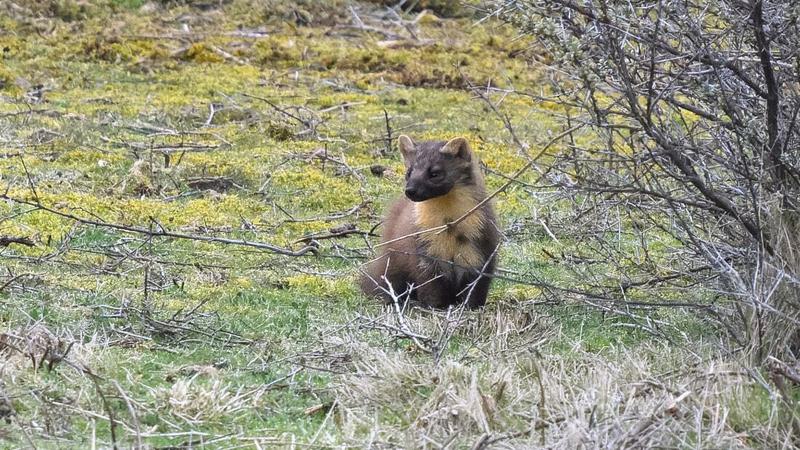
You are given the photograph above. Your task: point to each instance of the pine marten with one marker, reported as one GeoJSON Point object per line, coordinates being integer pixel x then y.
{"type": "Point", "coordinates": [448, 266]}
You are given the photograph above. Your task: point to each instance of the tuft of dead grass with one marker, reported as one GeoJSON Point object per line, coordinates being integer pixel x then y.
{"type": "Point", "coordinates": [38, 347]}
{"type": "Point", "coordinates": [197, 402]}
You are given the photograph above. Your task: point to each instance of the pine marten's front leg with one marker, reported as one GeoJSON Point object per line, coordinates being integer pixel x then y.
{"type": "Point", "coordinates": [388, 277]}
{"type": "Point", "coordinates": [475, 293]}
{"type": "Point", "coordinates": [441, 293]}
{"type": "Point", "coordinates": [436, 293]}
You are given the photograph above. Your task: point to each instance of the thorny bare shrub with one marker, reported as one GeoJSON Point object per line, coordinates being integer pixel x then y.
{"type": "Point", "coordinates": [694, 105]}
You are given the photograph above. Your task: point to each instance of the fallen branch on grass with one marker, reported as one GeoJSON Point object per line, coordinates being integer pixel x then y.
{"type": "Point", "coordinates": [336, 232]}
{"type": "Point", "coordinates": [5, 241]}
{"type": "Point", "coordinates": [161, 232]}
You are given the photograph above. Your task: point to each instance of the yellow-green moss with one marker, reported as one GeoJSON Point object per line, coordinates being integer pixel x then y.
{"type": "Point", "coordinates": [317, 286]}
{"type": "Point", "coordinates": [8, 81]}
{"type": "Point", "coordinates": [202, 53]}
{"type": "Point", "coordinates": [276, 49]}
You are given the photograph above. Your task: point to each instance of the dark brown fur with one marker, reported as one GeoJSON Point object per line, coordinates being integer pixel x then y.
{"type": "Point", "coordinates": [450, 267]}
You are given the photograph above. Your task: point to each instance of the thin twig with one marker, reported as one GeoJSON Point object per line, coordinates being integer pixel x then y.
{"type": "Point", "coordinates": [160, 232]}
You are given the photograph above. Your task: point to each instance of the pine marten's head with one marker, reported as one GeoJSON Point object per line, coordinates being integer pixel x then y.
{"type": "Point", "coordinates": [434, 168]}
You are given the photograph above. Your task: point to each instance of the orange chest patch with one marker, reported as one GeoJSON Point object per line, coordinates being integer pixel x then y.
{"type": "Point", "coordinates": [456, 244]}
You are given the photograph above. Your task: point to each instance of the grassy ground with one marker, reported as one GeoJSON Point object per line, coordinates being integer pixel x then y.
{"type": "Point", "coordinates": [268, 123]}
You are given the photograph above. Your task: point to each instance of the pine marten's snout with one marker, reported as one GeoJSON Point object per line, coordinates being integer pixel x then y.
{"type": "Point", "coordinates": [424, 187]}
{"type": "Point", "coordinates": [413, 194]}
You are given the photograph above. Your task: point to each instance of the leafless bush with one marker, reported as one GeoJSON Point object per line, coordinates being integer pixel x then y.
{"type": "Point", "coordinates": [693, 108]}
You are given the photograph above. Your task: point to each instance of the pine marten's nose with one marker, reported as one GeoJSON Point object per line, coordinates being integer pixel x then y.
{"type": "Point", "coordinates": [413, 194]}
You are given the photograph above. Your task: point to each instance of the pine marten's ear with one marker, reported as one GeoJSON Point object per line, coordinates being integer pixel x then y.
{"type": "Point", "coordinates": [457, 147]}
{"type": "Point", "coordinates": [407, 148]}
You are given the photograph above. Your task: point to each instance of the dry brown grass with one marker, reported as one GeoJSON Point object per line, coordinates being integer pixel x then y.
{"type": "Point", "coordinates": [506, 387]}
